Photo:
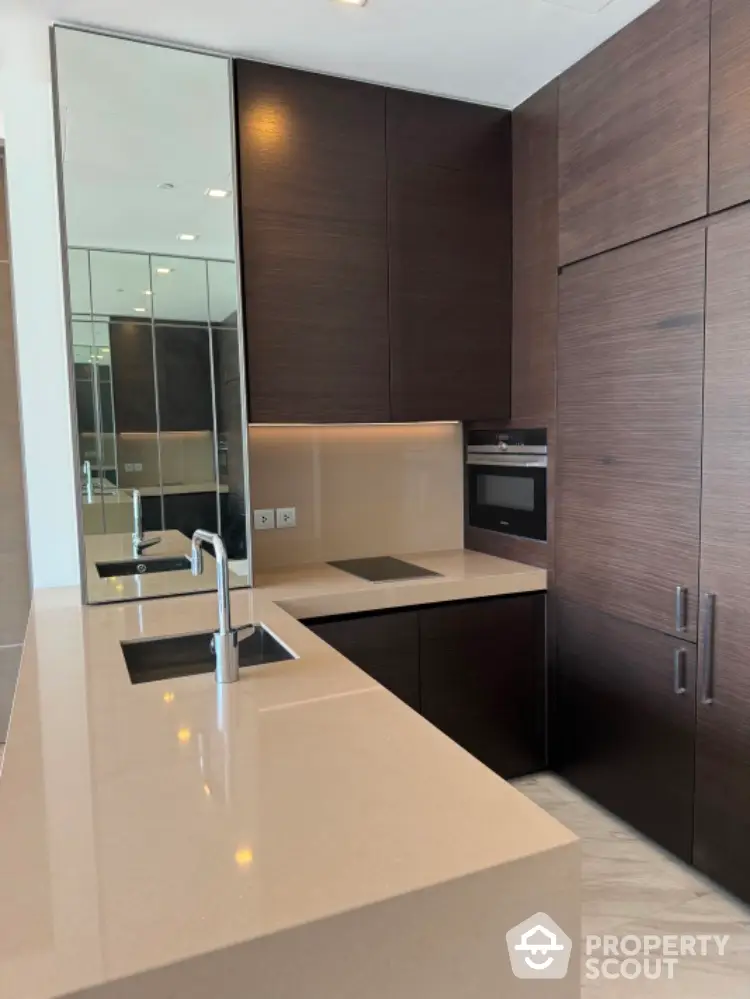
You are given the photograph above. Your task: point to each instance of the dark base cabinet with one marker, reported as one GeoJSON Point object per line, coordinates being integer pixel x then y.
{"type": "Point", "coordinates": [385, 646]}
{"type": "Point", "coordinates": [475, 669]}
{"type": "Point", "coordinates": [483, 679]}
{"type": "Point", "coordinates": [620, 731]}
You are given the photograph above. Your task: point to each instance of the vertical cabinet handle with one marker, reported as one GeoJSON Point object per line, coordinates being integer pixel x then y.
{"type": "Point", "coordinates": [681, 607]}
{"type": "Point", "coordinates": [680, 671]}
{"type": "Point", "coordinates": [709, 612]}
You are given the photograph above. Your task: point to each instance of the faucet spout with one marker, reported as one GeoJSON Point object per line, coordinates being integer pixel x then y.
{"type": "Point", "coordinates": [225, 643]}
{"type": "Point", "coordinates": [139, 545]}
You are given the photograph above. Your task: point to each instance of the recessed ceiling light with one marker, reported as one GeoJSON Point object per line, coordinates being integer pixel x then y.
{"type": "Point", "coordinates": [355, 3]}
{"type": "Point", "coordinates": [139, 308]}
{"type": "Point", "coordinates": [148, 292]}
{"type": "Point", "coordinates": [216, 192]}
{"type": "Point", "coordinates": [186, 237]}
{"type": "Point", "coordinates": [163, 270]}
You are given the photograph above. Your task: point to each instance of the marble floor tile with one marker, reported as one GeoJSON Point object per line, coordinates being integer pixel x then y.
{"type": "Point", "coordinates": [630, 886]}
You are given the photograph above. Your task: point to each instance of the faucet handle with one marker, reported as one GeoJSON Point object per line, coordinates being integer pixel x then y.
{"type": "Point", "coordinates": [196, 560]}
{"type": "Point", "coordinates": [247, 631]}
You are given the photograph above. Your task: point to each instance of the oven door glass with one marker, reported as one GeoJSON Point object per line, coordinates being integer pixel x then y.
{"type": "Point", "coordinates": [510, 500]}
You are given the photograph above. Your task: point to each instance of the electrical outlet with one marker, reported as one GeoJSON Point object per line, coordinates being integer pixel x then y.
{"type": "Point", "coordinates": [138, 467]}
{"type": "Point", "coordinates": [286, 516]}
{"type": "Point", "coordinates": [263, 520]}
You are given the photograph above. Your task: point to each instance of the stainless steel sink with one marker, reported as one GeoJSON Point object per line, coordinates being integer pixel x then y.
{"type": "Point", "coordinates": [143, 565]}
{"type": "Point", "coordinates": [187, 655]}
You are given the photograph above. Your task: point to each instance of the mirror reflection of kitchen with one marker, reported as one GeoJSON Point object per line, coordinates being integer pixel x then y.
{"type": "Point", "coordinates": [147, 166]}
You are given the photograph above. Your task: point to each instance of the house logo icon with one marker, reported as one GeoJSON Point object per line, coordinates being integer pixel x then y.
{"type": "Point", "coordinates": [538, 948]}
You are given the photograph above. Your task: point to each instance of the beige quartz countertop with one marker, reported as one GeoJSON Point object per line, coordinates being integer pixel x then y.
{"type": "Point", "coordinates": [142, 825]}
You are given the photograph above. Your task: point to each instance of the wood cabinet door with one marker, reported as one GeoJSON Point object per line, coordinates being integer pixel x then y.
{"type": "Point", "coordinates": [483, 679]}
{"type": "Point", "coordinates": [535, 231]}
{"type": "Point", "coordinates": [133, 384]}
{"type": "Point", "coordinates": [630, 385]}
{"type": "Point", "coordinates": [722, 801]}
{"type": "Point", "coordinates": [385, 646]}
{"type": "Point", "coordinates": [729, 182]}
{"type": "Point", "coordinates": [634, 131]}
{"type": "Point", "coordinates": [183, 372]}
{"type": "Point", "coordinates": [620, 731]}
{"type": "Point", "coordinates": [313, 218]}
{"type": "Point", "coordinates": [449, 244]}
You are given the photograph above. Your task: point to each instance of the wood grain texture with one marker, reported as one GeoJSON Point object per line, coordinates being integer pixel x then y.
{"type": "Point", "coordinates": [634, 131]}
{"type": "Point", "coordinates": [722, 808]}
{"type": "Point", "coordinates": [15, 593]}
{"type": "Point", "coordinates": [183, 372]}
{"type": "Point", "coordinates": [483, 681]}
{"type": "Point", "coordinates": [133, 385]}
{"type": "Point", "coordinates": [449, 224]}
{"type": "Point", "coordinates": [313, 210]}
{"type": "Point", "coordinates": [630, 380]}
{"type": "Point", "coordinates": [385, 646]}
{"type": "Point", "coordinates": [729, 182]}
{"type": "Point", "coordinates": [535, 233]}
{"type": "Point", "coordinates": [619, 732]}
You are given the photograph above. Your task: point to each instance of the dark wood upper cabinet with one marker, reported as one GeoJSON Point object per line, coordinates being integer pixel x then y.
{"type": "Point", "coordinates": [630, 384]}
{"type": "Point", "coordinates": [730, 94]}
{"type": "Point", "coordinates": [183, 366]}
{"type": "Point", "coordinates": [634, 131]}
{"type": "Point", "coordinates": [722, 805]}
{"type": "Point", "coordinates": [535, 229]}
{"type": "Point", "coordinates": [133, 384]}
{"type": "Point", "coordinates": [449, 237]}
{"type": "Point", "coordinates": [620, 731]}
{"type": "Point", "coordinates": [483, 682]}
{"type": "Point", "coordinates": [385, 646]}
{"type": "Point", "coordinates": [313, 205]}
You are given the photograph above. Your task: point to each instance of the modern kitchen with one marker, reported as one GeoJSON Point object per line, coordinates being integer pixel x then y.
{"type": "Point", "coordinates": [375, 549]}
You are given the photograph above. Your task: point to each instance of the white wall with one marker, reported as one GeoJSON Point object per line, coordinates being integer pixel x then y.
{"type": "Point", "coordinates": [26, 102]}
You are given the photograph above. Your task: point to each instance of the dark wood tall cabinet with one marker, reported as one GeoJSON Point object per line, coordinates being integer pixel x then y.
{"type": "Point", "coordinates": [630, 384]}
{"type": "Point", "coordinates": [535, 228]}
{"type": "Point", "coordinates": [312, 175]}
{"type": "Point", "coordinates": [133, 385]}
{"type": "Point", "coordinates": [623, 722]}
{"type": "Point", "coordinates": [722, 799]}
{"type": "Point", "coordinates": [730, 97]}
{"type": "Point", "coordinates": [449, 251]}
{"type": "Point", "coordinates": [634, 131]}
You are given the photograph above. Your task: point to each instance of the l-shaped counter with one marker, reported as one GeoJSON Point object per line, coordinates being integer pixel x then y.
{"type": "Point", "coordinates": [299, 833]}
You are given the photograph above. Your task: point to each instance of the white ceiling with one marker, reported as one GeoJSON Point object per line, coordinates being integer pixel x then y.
{"type": "Point", "coordinates": [492, 51]}
{"type": "Point", "coordinates": [136, 116]}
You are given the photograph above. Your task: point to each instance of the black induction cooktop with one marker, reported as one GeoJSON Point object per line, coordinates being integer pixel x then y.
{"type": "Point", "coordinates": [382, 570]}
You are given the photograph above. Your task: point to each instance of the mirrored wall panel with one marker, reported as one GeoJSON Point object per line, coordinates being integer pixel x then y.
{"type": "Point", "coordinates": [147, 172]}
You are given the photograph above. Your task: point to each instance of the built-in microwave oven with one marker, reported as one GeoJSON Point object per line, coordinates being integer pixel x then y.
{"type": "Point", "coordinates": [507, 481]}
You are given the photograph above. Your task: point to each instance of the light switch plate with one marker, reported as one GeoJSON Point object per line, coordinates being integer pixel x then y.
{"type": "Point", "coordinates": [263, 520]}
{"type": "Point", "coordinates": [129, 466]}
{"type": "Point", "coordinates": [286, 516]}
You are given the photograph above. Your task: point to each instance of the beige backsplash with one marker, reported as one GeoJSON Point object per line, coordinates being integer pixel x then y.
{"type": "Point", "coordinates": [358, 490]}
{"type": "Point", "coordinates": [186, 458]}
